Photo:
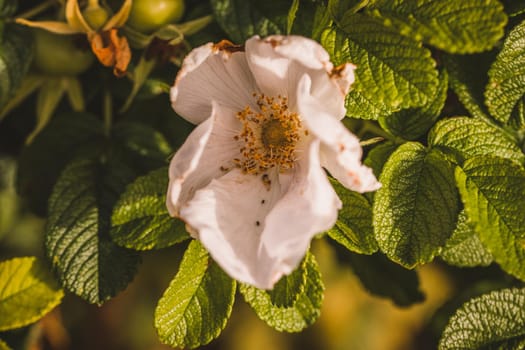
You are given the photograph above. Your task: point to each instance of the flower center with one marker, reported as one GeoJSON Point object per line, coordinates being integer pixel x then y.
{"type": "Point", "coordinates": [269, 135]}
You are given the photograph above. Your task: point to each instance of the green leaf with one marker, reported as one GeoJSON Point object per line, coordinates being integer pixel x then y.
{"type": "Point", "coordinates": [289, 289]}
{"type": "Point", "coordinates": [16, 52]}
{"type": "Point", "coordinates": [353, 228]}
{"type": "Point", "coordinates": [141, 146]}
{"type": "Point", "coordinates": [339, 9]}
{"type": "Point", "coordinates": [366, 107]}
{"type": "Point", "coordinates": [198, 302]}
{"type": "Point", "coordinates": [467, 138]}
{"type": "Point", "coordinates": [464, 247]}
{"type": "Point", "coordinates": [464, 26]}
{"type": "Point", "coordinates": [77, 238]}
{"type": "Point", "coordinates": [393, 72]}
{"type": "Point", "coordinates": [292, 13]}
{"type": "Point", "coordinates": [412, 123]}
{"type": "Point", "coordinates": [140, 219]}
{"type": "Point", "coordinates": [379, 155]}
{"type": "Point", "coordinates": [28, 291]}
{"type": "Point", "coordinates": [488, 321]}
{"type": "Point", "coordinates": [506, 86]}
{"type": "Point", "coordinates": [493, 192]}
{"type": "Point", "coordinates": [66, 136]}
{"type": "Point", "coordinates": [4, 346]}
{"type": "Point", "coordinates": [241, 19]}
{"type": "Point", "coordinates": [294, 318]}
{"type": "Point", "coordinates": [7, 7]}
{"type": "Point", "coordinates": [415, 210]}
{"type": "Point", "coordinates": [383, 278]}
{"type": "Point", "coordinates": [467, 77]}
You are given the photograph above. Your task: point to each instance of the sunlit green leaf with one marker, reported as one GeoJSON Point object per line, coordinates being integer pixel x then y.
{"type": "Point", "coordinates": [353, 228]}
{"type": "Point", "coordinates": [506, 85]}
{"type": "Point", "coordinates": [393, 72]}
{"type": "Point", "coordinates": [411, 123]}
{"type": "Point", "coordinates": [77, 232]}
{"type": "Point", "coordinates": [469, 137]}
{"type": "Point", "coordinates": [415, 210]}
{"type": "Point", "coordinates": [491, 321]}
{"type": "Point", "coordinates": [140, 219]}
{"type": "Point", "coordinates": [464, 247]}
{"type": "Point", "coordinates": [493, 192]}
{"type": "Point", "coordinates": [197, 304]}
{"type": "Point", "coordinates": [294, 318]}
{"type": "Point", "coordinates": [464, 26]}
{"type": "Point", "coordinates": [28, 291]}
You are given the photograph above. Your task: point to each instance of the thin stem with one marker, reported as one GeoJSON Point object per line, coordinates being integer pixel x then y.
{"type": "Point", "coordinates": [375, 129]}
{"type": "Point", "coordinates": [107, 111]}
{"type": "Point", "coordinates": [37, 9]}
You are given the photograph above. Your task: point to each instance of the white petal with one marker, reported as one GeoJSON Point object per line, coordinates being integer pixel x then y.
{"type": "Point", "coordinates": [208, 148]}
{"type": "Point", "coordinates": [228, 217]}
{"type": "Point", "coordinates": [212, 73]}
{"type": "Point", "coordinates": [340, 150]}
{"type": "Point", "coordinates": [308, 207]}
{"type": "Point", "coordinates": [279, 62]}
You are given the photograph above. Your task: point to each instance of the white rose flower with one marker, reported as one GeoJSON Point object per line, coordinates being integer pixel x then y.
{"type": "Point", "coordinates": [249, 180]}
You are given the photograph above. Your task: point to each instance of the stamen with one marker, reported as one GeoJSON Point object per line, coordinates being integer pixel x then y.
{"type": "Point", "coordinates": [269, 136]}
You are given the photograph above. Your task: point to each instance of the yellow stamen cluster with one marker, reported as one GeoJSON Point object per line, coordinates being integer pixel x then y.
{"type": "Point", "coordinates": [269, 135]}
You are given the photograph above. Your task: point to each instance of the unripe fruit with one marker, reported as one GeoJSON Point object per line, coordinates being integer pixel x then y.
{"type": "Point", "coordinates": [146, 16]}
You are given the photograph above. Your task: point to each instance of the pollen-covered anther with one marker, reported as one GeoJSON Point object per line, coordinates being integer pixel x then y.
{"type": "Point", "coordinates": [269, 135]}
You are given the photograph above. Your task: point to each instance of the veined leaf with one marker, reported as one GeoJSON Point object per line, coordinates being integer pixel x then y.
{"type": "Point", "coordinates": [242, 19]}
{"type": "Point", "coordinates": [412, 123]}
{"type": "Point", "coordinates": [16, 52]}
{"type": "Point", "coordinates": [198, 302]}
{"type": "Point", "coordinates": [28, 291]}
{"type": "Point", "coordinates": [77, 240]}
{"type": "Point", "coordinates": [365, 107]}
{"type": "Point", "coordinates": [289, 289]}
{"type": "Point", "coordinates": [469, 137]}
{"type": "Point", "coordinates": [140, 219]}
{"type": "Point", "coordinates": [353, 228]}
{"type": "Point", "coordinates": [491, 321]}
{"type": "Point", "coordinates": [393, 72]}
{"type": "Point", "coordinates": [415, 211]}
{"type": "Point", "coordinates": [464, 26]}
{"type": "Point", "coordinates": [493, 192]}
{"type": "Point", "coordinates": [464, 247]}
{"type": "Point", "coordinates": [294, 318]}
{"type": "Point", "coordinates": [506, 85]}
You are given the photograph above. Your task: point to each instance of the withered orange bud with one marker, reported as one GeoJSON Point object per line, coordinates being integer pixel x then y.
{"type": "Point", "coordinates": [112, 50]}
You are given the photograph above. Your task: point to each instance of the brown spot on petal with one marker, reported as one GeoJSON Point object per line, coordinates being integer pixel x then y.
{"type": "Point", "coordinates": [338, 75]}
{"type": "Point", "coordinates": [228, 47]}
{"type": "Point", "coordinates": [274, 42]}
{"type": "Point", "coordinates": [111, 50]}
